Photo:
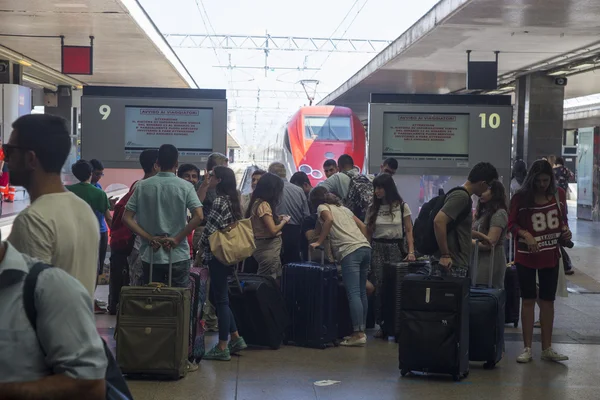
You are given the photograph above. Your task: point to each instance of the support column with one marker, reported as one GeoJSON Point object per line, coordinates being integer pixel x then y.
{"type": "Point", "coordinates": [538, 117]}
{"type": "Point", "coordinates": [63, 104]}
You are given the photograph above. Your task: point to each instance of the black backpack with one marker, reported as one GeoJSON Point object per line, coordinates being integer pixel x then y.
{"type": "Point", "coordinates": [423, 231]}
{"type": "Point", "coordinates": [116, 387]}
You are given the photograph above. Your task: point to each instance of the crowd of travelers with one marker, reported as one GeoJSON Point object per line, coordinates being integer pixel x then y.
{"type": "Point", "coordinates": [167, 218]}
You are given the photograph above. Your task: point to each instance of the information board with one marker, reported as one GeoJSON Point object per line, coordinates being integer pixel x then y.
{"type": "Point", "coordinates": [188, 129]}
{"type": "Point", "coordinates": [118, 123]}
{"type": "Point", "coordinates": [426, 136]}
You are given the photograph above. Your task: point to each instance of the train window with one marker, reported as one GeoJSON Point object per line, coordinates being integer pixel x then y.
{"type": "Point", "coordinates": [328, 128]}
{"type": "Point", "coordinates": [286, 141]}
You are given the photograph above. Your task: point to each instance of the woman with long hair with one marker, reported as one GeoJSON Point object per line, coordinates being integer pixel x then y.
{"type": "Point", "coordinates": [267, 225]}
{"type": "Point", "coordinates": [347, 235]}
{"type": "Point", "coordinates": [537, 220]}
{"type": "Point", "coordinates": [489, 228]}
{"type": "Point", "coordinates": [389, 227]}
{"type": "Point", "coordinates": [224, 212]}
{"type": "Point", "coordinates": [519, 172]}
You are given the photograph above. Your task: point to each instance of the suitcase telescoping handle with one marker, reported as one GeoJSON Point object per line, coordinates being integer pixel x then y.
{"type": "Point", "coordinates": [152, 263]}
{"type": "Point", "coordinates": [322, 254]}
{"type": "Point", "coordinates": [475, 265]}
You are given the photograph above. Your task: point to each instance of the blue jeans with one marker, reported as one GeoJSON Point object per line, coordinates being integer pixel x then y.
{"type": "Point", "coordinates": [218, 284]}
{"type": "Point", "coordinates": [355, 268]}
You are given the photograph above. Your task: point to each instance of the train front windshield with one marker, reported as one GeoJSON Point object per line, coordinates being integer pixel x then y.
{"type": "Point", "coordinates": [329, 129]}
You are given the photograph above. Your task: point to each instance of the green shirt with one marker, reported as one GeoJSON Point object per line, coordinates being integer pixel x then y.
{"type": "Point", "coordinates": [160, 205]}
{"type": "Point", "coordinates": [95, 197]}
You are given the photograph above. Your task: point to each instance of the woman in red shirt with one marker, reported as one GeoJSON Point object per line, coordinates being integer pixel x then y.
{"type": "Point", "coordinates": [537, 221]}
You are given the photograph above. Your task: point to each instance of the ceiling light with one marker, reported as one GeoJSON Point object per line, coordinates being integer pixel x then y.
{"type": "Point", "coordinates": [25, 63]}
{"type": "Point", "coordinates": [584, 65]}
{"type": "Point", "coordinates": [558, 72]}
{"type": "Point", "coordinates": [39, 82]}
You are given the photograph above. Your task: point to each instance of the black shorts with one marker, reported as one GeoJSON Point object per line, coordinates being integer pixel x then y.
{"type": "Point", "coordinates": [548, 282]}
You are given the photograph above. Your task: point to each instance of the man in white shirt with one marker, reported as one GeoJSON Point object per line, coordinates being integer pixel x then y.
{"type": "Point", "coordinates": [58, 227]}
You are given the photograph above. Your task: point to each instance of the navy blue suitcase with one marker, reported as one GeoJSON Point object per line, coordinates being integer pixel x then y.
{"type": "Point", "coordinates": [311, 296]}
{"type": "Point", "coordinates": [434, 325]}
{"type": "Point", "coordinates": [487, 318]}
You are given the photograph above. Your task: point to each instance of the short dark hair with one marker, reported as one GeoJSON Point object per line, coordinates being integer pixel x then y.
{"type": "Point", "coordinates": [391, 162]}
{"type": "Point", "coordinates": [82, 170]}
{"type": "Point", "coordinates": [483, 172]}
{"type": "Point", "coordinates": [345, 161]}
{"type": "Point", "coordinates": [47, 136]}
{"type": "Point", "coordinates": [148, 159]}
{"type": "Point", "coordinates": [187, 167]}
{"type": "Point", "coordinates": [329, 163]}
{"type": "Point", "coordinates": [216, 159]}
{"type": "Point", "coordinates": [299, 179]}
{"type": "Point", "coordinates": [97, 165]}
{"type": "Point", "coordinates": [168, 155]}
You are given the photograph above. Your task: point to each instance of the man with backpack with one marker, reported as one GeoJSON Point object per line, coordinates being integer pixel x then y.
{"type": "Point", "coordinates": [443, 227]}
{"type": "Point", "coordinates": [354, 189]}
{"type": "Point", "coordinates": [51, 348]}
{"type": "Point", "coordinates": [122, 240]}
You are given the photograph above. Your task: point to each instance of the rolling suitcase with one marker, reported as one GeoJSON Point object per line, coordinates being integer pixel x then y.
{"type": "Point", "coordinates": [153, 329]}
{"type": "Point", "coordinates": [258, 309]}
{"type": "Point", "coordinates": [486, 319]}
{"type": "Point", "coordinates": [311, 296]}
{"type": "Point", "coordinates": [512, 289]}
{"type": "Point", "coordinates": [393, 275]}
{"type": "Point", "coordinates": [434, 325]}
{"type": "Point", "coordinates": [198, 278]}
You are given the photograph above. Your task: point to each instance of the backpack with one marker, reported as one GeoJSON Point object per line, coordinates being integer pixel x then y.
{"type": "Point", "coordinates": [116, 386]}
{"type": "Point", "coordinates": [360, 195]}
{"type": "Point", "coordinates": [121, 237]}
{"type": "Point", "coordinates": [423, 231]}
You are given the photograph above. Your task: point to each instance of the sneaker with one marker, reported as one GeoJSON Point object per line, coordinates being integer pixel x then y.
{"type": "Point", "coordinates": [98, 309]}
{"type": "Point", "coordinates": [525, 357]}
{"type": "Point", "coordinates": [354, 342]}
{"type": "Point", "coordinates": [569, 272]}
{"type": "Point", "coordinates": [191, 367]}
{"type": "Point", "coordinates": [550, 355]}
{"type": "Point", "coordinates": [235, 346]}
{"type": "Point", "coordinates": [217, 354]}
{"type": "Point", "coordinates": [101, 303]}
{"type": "Point", "coordinates": [537, 324]}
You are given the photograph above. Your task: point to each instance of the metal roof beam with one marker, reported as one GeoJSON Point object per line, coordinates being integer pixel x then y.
{"type": "Point", "coordinates": [276, 43]}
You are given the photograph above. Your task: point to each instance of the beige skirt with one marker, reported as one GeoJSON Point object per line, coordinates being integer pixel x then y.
{"type": "Point", "coordinates": [268, 256]}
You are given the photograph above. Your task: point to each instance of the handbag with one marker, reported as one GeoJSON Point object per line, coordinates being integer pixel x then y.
{"type": "Point", "coordinates": [234, 243]}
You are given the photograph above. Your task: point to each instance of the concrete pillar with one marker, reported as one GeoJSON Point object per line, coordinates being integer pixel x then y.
{"type": "Point", "coordinates": [62, 105]}
{"type": "Point", "coordinates": [538, 117]}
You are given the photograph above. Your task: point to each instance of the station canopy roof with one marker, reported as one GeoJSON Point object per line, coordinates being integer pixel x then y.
{"type": "Point", "coordinates": [128, 49]}
{"type": "Point", "coordinates": [531, 35]}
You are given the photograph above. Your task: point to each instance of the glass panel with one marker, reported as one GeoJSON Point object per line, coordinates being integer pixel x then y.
{"type": "Point", "coordinates": [328, 128]}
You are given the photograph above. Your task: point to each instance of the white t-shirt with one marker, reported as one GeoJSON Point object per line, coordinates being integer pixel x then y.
{"type": "Point", "coordinates": [388, 224]}
{"type": "Point", "coordinates": [345, 237]}
{"type": "Point", "coordinates": [62, 230]}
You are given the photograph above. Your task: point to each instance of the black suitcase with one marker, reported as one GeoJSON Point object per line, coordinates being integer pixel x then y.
{"type": "Point", "coordinates": [311, 295]}
{"type": "Point", "coordinates": [512, 308]}
{"type": "Point", "coordinates": [486, 319]}
{"type": "Point", "coordinates": [393, 275]}
{"type": "Point", "coordinates": [258, 309]}
{"type": "Point", "coordinates": [434, 325]}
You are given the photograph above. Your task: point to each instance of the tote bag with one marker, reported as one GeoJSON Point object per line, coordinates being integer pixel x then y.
{"type": "Point", "coordinates": [233, 244]}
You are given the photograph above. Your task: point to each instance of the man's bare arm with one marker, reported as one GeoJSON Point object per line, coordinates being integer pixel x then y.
{"type": "Point", "coordinates": [130, 222]}
{"type": "Point", "coordinates": [54, 387]}
{"type": "Point", "coordinates": [440, 224]}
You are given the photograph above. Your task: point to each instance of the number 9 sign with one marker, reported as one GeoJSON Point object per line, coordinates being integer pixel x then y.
{"type": "Point", "coordinates": [104, 111]}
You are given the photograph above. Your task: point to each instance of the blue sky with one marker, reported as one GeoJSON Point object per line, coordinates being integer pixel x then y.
{"type": "Point", "coordinates": [377, 19]}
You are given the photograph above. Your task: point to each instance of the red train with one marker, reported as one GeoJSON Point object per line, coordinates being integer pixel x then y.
{"type": "Point", "coordinates": [318, 133]}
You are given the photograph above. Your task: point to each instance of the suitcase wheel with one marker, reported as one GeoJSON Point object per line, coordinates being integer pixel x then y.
{"type": "Point", "coordinates": [489, 365]}
{"type": "Point", "coordinates": [404, 372]}
{"type": "Point", "coordinates": [456, 378]}
{"type": "Point", "coordinates": [466, 375]}
{"type": "Point", "coordinates": [516, 324]}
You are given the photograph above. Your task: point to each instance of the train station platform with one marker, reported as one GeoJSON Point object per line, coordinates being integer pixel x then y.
{"type": "Point", "coordinates": [291, 373]}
